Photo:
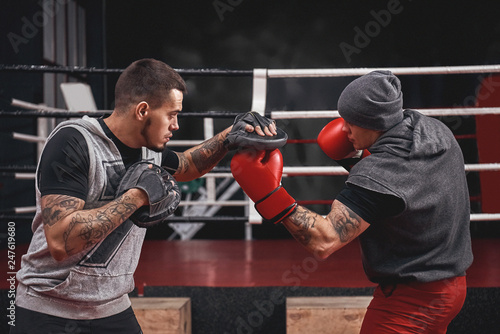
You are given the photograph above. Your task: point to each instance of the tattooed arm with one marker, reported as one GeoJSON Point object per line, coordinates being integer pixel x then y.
{"type": "Point", "coordinates": [325, 235]}
{"type": "Point", "coordinates": [200, 159]}
{"type": "Point", "coordinates": [69, 229]}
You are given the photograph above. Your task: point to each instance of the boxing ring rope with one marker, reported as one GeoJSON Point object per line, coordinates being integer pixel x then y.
{"type": "Point", "coordinates": [260, 78]}
{"type": "Point", "coordinates": [93, 70]}
{"type": "Point", "coordinates": [17, 215]}
{"type": "Point", "coordinates": [271, 73]}
{"type": "Point", "coordinates": [426, 111]}
{"type": "Point", "coordinates": [229, 114]}
{"type": "Point", "coordinates": [291, 171]}
{"type": "Point", "coordinates": [344, 72]}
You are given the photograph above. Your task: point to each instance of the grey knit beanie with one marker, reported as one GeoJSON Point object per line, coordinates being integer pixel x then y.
{"type": "Point", "coordinates": [373, 101]}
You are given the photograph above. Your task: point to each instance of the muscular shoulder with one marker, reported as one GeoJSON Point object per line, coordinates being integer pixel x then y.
{"type": "Point", "coordinates": [64, 164]}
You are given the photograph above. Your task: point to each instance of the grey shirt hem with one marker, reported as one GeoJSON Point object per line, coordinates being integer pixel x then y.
{"type": "Point", "coordinates": [29, 299]}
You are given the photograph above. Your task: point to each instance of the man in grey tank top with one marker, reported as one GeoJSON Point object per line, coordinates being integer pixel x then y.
{"type": "Point", "coordinates": [79, 267]}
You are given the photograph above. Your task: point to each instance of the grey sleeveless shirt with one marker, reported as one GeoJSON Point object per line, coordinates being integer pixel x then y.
{"type": "Point", "coordinates": [95, 282]}
{"type": "Point", "coordinates": [420, 162]}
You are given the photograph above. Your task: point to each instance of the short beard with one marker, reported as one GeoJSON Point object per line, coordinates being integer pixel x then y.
{"type": "Point", "coordinates": [144, 135]}
{"type": "Point", "coordinates": [157, 149]}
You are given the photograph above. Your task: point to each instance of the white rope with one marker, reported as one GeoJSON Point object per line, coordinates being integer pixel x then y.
{"type": "Point", "coordinates": [25, 209]}
{"type": "Point", "coordinates": [460, 111]}
{"type": "Point", "coordinates": [29, 105]}
{"type": "Point", "coordinates": [28, 138]}
{"type": "Point", "coordinates": [24, 176]}
{"type": "Point", "coordinates": [482, 167]}
{"type": "Point", "coordinates": [342, 72]}
{"type": "Point", "coordinates": [484, 216]}
{"type": "Point", "coordinates": [314, 170]}
{"type": "Point", "coordinates": [304, 114]}
{"type": "Point", "coordinates": [334, 170]}
{"type": "Point", "coordinates": [473, 216]}
{"type": "Point", "coordinates": [31, 176]}
{"type": "Point", "coordinates": [310, 171]}
{"type": "Point", "coordinates": [428, 112]}
{"type": "Point", "coordinates": [217, 175]}
{"type": "Point", "coordinates": [213, 202]}
{"type": "Point", "coordinates": [185, 142]}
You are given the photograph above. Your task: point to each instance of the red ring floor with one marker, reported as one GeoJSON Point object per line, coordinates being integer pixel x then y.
{"type": "Point", "coordinates": [239, 263]}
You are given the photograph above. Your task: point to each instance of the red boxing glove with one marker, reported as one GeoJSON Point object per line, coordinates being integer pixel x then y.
{"type": "Point", "coordinates": [259, 175]}
{"type": "Point", "coordinates": [335, 143]}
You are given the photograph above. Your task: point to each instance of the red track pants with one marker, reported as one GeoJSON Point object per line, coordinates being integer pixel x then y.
{"type": "Point", "coordinates": [415, 307]}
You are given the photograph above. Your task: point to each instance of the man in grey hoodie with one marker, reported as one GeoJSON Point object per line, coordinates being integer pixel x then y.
{"type": "Point", "coordinates": [407, 200]}
{"type": "Point", "coordinates": [79, 267]}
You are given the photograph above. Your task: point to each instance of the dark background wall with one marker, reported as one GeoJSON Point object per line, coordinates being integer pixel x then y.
{"type": "Point", "coordinates": [244, 34]}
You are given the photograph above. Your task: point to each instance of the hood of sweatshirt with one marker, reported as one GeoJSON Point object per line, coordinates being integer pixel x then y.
{"type": "Point", "coordinates": [416, 137]}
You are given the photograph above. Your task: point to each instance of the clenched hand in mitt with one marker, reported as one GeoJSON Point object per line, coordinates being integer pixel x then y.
{"type": "Point", "coordinates": [162, 190]}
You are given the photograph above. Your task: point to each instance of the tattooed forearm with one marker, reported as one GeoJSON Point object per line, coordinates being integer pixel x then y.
{"type": "Point", "coordinates": [183, 164]}
{"type": "Point", "coordinates": [345, 222]}
{"type": "Point", "coordinates": [209, 153]}
{"type": "Point", "coordinates": [57, 207]}
{"type": "Point", "coordinates": [94, 225]}
{"type": "Point", "coordinates": [303, 219]}
{"type": "Point", "coordinates": [324, 235]}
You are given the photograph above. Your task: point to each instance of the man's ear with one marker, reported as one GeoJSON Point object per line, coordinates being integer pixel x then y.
{"type": "Point", "coordinates": [142, 110]}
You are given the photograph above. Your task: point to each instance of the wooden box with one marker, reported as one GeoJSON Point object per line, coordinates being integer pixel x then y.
{"type": "Point", "coordinates": [321, 315]}
{"type": "Point", "coordinates": [163, 315]}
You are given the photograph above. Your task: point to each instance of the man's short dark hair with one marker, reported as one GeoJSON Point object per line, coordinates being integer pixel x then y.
{"type": "Point", "coordinates": [147, 80]}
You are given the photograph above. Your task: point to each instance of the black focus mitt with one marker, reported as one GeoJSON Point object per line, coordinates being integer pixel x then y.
{"type": "Point", "coordinates": [162, 190]}
{"type": "Point", "coordinates": [239, 137]}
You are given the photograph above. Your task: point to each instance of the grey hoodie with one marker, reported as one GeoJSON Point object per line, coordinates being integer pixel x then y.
{"type": "Point", "coordinates": [95, 282]}
{"type": "Point", "coordinates": [420, 162]}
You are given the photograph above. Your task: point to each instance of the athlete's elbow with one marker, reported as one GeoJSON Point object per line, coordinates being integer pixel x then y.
{"type": "Point", "coordinates": [57, 250]}
{"type": "Point", "coordinates": [323, 253]}
{"type": "Point", "coordinates": [188, 176]}
{"type": "Point", "coordinates": [323, 250]}
{"type": "Point", "coordinates": [58, 253]}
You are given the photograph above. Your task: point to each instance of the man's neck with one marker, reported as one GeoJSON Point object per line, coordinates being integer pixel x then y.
{"type": "Point", "coordinates": [120, 127]}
